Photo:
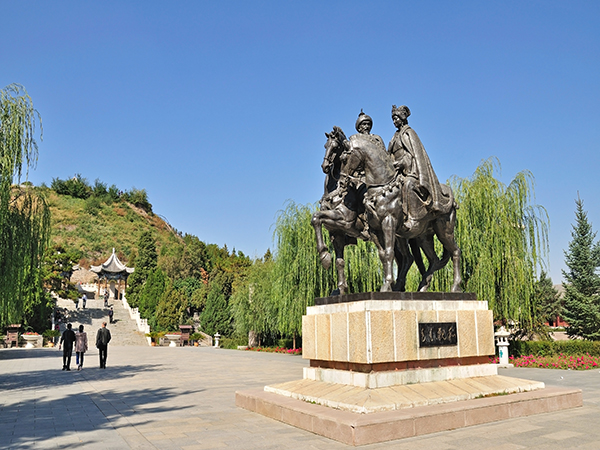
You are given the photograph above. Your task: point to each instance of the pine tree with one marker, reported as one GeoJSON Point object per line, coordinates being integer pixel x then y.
{"type": "Point", "coordinates": [216, 316]}
{"type": "Point", "coordinates": [145, 263]}
{"type": "Point", "coordinates": [582, 285]}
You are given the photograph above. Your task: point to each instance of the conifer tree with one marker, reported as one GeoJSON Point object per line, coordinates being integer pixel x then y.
{"type": "Point", "coordinates": [145, 263]}
{"type": "Point", "coordinates": [582, 281]}
{"type": "Point", "coordinates": [216, 316]}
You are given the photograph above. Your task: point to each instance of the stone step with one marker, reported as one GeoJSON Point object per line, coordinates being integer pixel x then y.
{"type": "Point", "coordinates": [123, 329]}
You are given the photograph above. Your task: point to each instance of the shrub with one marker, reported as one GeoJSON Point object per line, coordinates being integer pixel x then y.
{"type": "Point", "coordinates": [552, 348]}
{"type": "Point", "coordinates": [92, 206]}
{"type": "Point", "coordinates": [77, 187]}
{"type": "Point", "coordinates": [233, 342]}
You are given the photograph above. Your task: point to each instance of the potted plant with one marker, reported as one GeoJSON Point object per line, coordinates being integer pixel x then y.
{"type": "Point", "coordinates": [155, 337]}
{"type": "Point", "coordinates": [50, 336]}
{"type": "Point", "coordinates": [195, 337]}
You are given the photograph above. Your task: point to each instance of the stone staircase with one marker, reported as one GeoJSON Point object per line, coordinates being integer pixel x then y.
{"type": "Point", "coordinates": [123, 329]}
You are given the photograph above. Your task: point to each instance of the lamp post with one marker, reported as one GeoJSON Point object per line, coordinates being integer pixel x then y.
{"type": "Point", "coordinates": [502, 342]}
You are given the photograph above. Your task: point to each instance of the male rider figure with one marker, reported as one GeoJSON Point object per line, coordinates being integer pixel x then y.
{"type": "Point", "coordinates": [422, 193]}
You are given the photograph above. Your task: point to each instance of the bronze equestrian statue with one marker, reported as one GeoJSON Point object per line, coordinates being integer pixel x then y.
{"type": "Point", "coordinates": [392, 198]}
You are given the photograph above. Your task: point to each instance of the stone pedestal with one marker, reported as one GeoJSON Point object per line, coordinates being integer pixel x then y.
{"type": "Point", "coordinates": [380, 353]}
{"type": "Point", "coordinates": [380, 334]}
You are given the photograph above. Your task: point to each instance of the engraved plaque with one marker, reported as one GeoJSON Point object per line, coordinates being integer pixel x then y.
{"type": "Point", "coordinates": [437, 334]}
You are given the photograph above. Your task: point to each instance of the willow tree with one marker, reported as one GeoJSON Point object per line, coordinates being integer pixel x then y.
{"type": "Point", "coordinates": [504, 242]}
{"type": "Point", "coordinates": [253, 306]}
{"type": "Point", "coordinates": [24, 215]}
{"type": "Point", "coordinates": [298, 276]}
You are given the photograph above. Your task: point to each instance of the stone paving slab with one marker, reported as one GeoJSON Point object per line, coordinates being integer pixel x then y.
{"type": "Point", "coordinates": [187, 396]}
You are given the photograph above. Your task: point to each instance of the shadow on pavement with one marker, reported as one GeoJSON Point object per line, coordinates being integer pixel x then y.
{"type": "Point", "coordinates": [84, 411]}
{"type": "Point", "coordinates": [21, 353]}
{"type": "Point", "coordinates": [41, 379]}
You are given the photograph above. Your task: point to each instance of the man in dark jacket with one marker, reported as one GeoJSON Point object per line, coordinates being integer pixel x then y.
{"type": "Point", "coordinates": [102, 340]}
{"type": "Point", "coordinates": [68, 338]}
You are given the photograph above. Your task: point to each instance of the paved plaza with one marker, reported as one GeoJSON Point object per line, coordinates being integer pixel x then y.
{"type": "Point", "coordinates": [184, 398]}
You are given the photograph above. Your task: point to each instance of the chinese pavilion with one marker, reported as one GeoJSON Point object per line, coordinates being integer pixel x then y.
{"type": "Point", "coordinates": [112, 271]}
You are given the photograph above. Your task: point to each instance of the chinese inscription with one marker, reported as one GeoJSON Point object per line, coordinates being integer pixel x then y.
{"type": "Point", "coordinates": [437, 334]}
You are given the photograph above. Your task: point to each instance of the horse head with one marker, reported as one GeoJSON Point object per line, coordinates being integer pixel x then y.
{"type": "Point", "coordinates": [333, 149]}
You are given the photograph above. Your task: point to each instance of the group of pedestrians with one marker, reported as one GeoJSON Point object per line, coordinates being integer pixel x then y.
{"type": "Point", "coordinates": [70, 339]}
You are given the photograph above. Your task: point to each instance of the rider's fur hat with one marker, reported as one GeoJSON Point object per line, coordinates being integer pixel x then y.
{"type": "Point", "coordinates": [403, 109]}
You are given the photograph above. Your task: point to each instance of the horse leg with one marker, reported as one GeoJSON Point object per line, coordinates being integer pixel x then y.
{"type": "Point", "coordinates": [444, 230]}
{"type": "Point", "coordinates": [324, 254]}
{"type": "Point", "coordinates": [339, 244]}
{"type": "Point", "coordinates": [415, 248]}
{"type": "Point", "coordinates": [426, 243]}
{"type": "Point", "coordinates": [404, 259]}
{"type": "Point", "coordinates": [388, 228]}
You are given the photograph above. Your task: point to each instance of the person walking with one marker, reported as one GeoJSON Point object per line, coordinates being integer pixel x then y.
{"type": "Point", "coordinates": [67, 338]}
{"type": "Point", "coordinates": [110, 315]}
{"type": "Point", "coordinates": [81, 346]}
{"type": "Point", "coordinates": [102, 340]}
{"type": "Point", "coordinates": [83, 300]}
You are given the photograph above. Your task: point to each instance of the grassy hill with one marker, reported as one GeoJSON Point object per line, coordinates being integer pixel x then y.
{"type": "Point", "coordinates": [95, 227]}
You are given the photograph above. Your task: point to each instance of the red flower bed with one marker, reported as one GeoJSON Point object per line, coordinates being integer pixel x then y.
{"type": "Point", "coordinates": [289, 351]}
{"type": "Point", "coordinates": [560, 361]}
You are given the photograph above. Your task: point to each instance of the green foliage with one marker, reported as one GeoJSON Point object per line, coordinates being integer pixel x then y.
{"type": "Point", "coordinates": [503, 238]}
{"type": "Point", "coordinates": [139, 198]}
{"type": "Point", "coordinates": [93, 206]}
{"type": "Point", "coordinates": [575, 347]}
{"type": "Point", "coordinates": [170, 310]}
{"type": "Point", "coordinates": [51, 333]}
{"type": "Point", "coordinates": [216, 316]}
{"type": "Point", "coordinates": [582, 281]}
{"type": "Point", "coordinates": [547, 299]}
{"type": "Point", "coordinates": [152, 290]}
{"type": "Point", "coordinates": [298, 275]}
{"type": "Point", "coordinates": [253, 305]}
{"type": "Point", "coordinates": [24, 215]}
{"type": "Point", "coordinates": [233, 343]}
{"type": "Point", "coordinates": [145, 263]}
{"type": "Point", "coordinates": [58, 268]}
{"type": "Point", "coordinates": [77, 187]}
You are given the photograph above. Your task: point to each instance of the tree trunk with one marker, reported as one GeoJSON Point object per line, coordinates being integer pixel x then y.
{"type": "Point", "coordinates": [252, 339]}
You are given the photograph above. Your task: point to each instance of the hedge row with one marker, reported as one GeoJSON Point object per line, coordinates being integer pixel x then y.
{"type": "Point", "coordinates": [550, 348]}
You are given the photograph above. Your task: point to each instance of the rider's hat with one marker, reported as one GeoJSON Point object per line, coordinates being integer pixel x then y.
{"type": "Point", "coordinates": [403, 109]}
{"type": "Point", "coordinates": [362, 117]}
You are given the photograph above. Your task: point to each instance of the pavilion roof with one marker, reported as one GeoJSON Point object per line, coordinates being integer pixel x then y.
{"type": "Point", "coordinates": [112, 265]}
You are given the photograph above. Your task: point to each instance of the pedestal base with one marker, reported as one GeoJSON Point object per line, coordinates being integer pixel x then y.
{"type": "Point", "coordinates": [360, 429]}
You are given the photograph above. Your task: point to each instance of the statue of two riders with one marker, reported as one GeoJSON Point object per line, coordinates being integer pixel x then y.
{"type": "Point", "coordinates": [392, 198]}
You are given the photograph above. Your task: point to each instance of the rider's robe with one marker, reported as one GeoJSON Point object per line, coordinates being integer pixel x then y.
{"type": "Point", "coordinates": [408, 151]}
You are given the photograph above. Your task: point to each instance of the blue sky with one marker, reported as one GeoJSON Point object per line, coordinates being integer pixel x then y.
{"type": "Point", "coordinates": [218, 109]}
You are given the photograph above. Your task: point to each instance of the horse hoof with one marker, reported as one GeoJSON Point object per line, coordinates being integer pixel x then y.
{"type": "Point", "coordinates": [326, 260]}
{"type": "Point", "coordinates": [387, 287]}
